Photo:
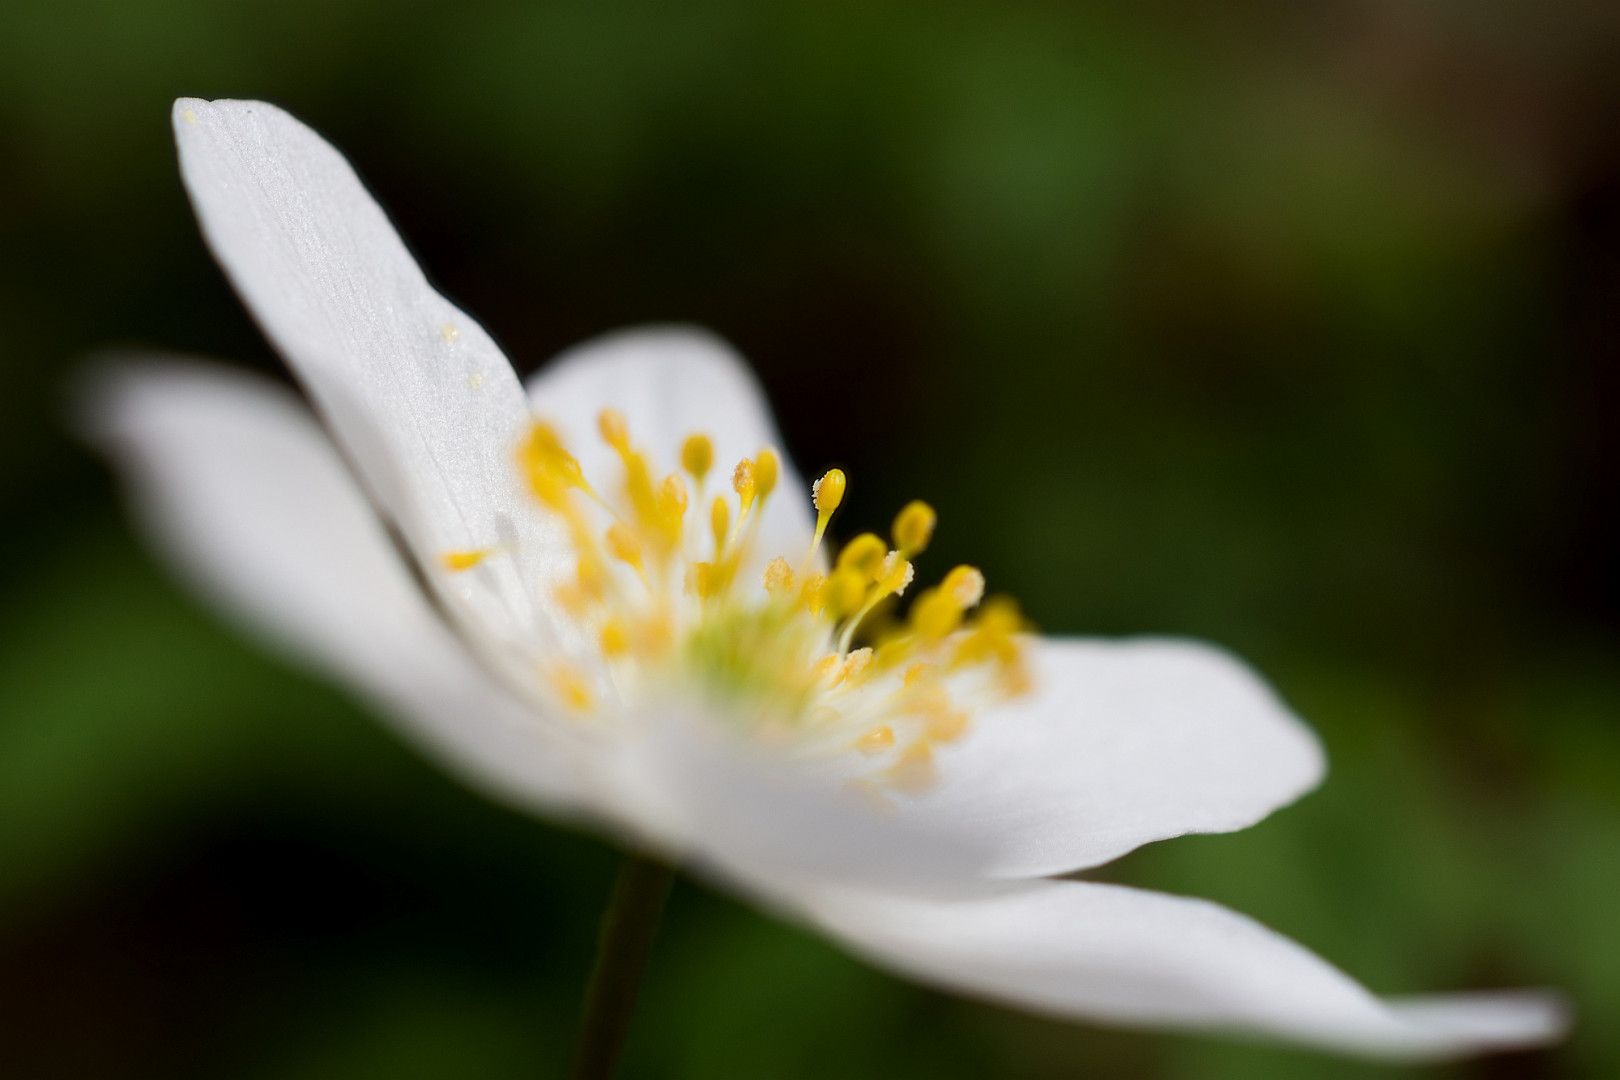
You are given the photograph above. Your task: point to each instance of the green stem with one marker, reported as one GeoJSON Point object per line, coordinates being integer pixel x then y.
{"type": "Point", "coordinates": [628, 927]}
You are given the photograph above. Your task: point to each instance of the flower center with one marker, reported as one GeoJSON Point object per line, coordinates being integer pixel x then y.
{"type": "Point", "coordinates": [802, 654]}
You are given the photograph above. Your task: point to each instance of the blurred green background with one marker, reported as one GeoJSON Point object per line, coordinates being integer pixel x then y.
{"type": "Point", "coordinates": [1292, 326]}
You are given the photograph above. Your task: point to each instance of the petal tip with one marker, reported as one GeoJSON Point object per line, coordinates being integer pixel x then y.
{"type": "Point", "coordinates": [1487, 1021]}
{"type": "Point", "coordinates": [188, 112]}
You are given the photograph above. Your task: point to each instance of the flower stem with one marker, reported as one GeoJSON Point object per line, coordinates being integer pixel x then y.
{"type": "Point", "coordinates": [628, 927]}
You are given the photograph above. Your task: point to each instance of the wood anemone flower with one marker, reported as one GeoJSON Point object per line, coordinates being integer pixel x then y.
{"type": "Point", "coordinates": [606, 597]}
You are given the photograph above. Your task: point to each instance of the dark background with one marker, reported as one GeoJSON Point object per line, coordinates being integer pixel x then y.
{"type": "Point", "coordinates": [1294, 326]}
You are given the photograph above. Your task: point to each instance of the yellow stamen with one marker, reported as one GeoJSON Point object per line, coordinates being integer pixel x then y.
{"type": "Point", "coordinates": [993, 634]}
{"type": "Point", "coordinates": [935, 615]}
{"type": "Point", "coordinates": [571, 686]}
{"type": "Point", "coordinates": [947, 725]}
{"type": "Point", "coordinates": [875, 741]}
{"type": "Point", "coordinates": [938, 612]}
{"type": "Point", "coordinates": [766, 470]}
{"type": "Point", "coordinates": [779, 577]}
{"type": "Point", "coordinates": [457, 561]}
{"type": "Point", "coordinates": [719, 524]}
{"type": "Point", "coordinates": [697, 456]}
{"type": "Point", "coordinates": [843, 592]}
{"type": "Point", "coordinates": [703, 580]}
{"type": "Point", "coordinates": [615, 639]}
{"type": "Point", "coordinates": [624, 545]}
{"type": "Point", "coordinates": [812, 594]}
{"type": "Point", "coordinates": [864, 556]}
{"type": "Point", "coordinates": [672, 509]}
{"type": "Point", "coordinates": [914, 773]}
{"type": "Point", "coordinates": [549, 468]}
{"type": "Point", "coordinates": [615, 429]}
{"type": "Point", "coordinates": [573, 599]}
{"type": "Point", "coordinates": [638, 485]}
{"type": "Point", "coordinates": [826, 494]}
{"type": "Point", "coordinates": [742, 482]}
{"type": "Point", "coordinates": [856, 666]}
{"type": "Point", "coordinates": [893, 576]}
{"type": "Point", "coordinates": [917, 672]}
{"type": "Point", "coordinates": [591, 575]}
{"type": "Point", "coordinates": [914, 527]}
{"type": "Point", "coordinates": [896, 574]}
{"type": "Point", "coordinates": [771, 652]}
{"type": "Point", "coordinates": [965, 584]}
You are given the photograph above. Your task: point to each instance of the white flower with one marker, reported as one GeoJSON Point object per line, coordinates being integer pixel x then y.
{"type": "Point", "coordinates": [544, 595]}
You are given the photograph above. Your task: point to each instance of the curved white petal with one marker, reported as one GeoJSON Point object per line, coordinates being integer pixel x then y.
{"type": "Point", "coordinates": [1120, 743]}
{"type": "Point", "coordinates": [245, 496]}
{"type": "Point", "coordinates": [1110, 953]}
{"type": "Point", "coordinates": [671, 382]}
{"type": "Point", "coordinates": [417, 394]}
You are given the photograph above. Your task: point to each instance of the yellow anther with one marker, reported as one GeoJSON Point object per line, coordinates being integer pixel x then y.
{"type": "Point", "coordinates": [767, 467]}
{"type": "Point", "coordinates": [875, 741]}
{"type": "Point", "coordinates": [1014, 678]}
{"type": "Point", "coordinates": [938, 612]}
{"type": "Point", "coordinates": [743, 483]}
{"type": "Point", "coordinates": [654, 636]}
{"type": "Point", "coordinates": [571, 686]}
{"type": "Point", "coordinates": [896, 574]}
{"type": "Point", "coordinates": [550, 469]}
{"type": "Point", "coordinates": [719, 523]}
{"type": "Point", "coordinates": [946, 725]}
{"type": "Point", "coordinates": [827, 667]}
{"type": "Point", "coordinates": [615, 429]}
{"type": "Point", "coordinates": [615, 639]}
{"type": "Point", "coordinates": [864, 555]}
{"type": "Point", "coordinates": [843, 592]}
{"type": "Point", "coordinates": [639, 486]}
{"type": "Point", "coordinates": [779, 577]}
{"type": "Point", "coordinates": [828, 492]}
{"type": "Point", "coordinates": [591, 575]}
{"type": "Point", "coordinates": [672, 507]}
{"type": "Point", "coordinates": [914, 773]}
{"type": "Point", "coordinates": [624, 545]}
{"type": "Point", "coordinates": [927, 698]}
{"type": "Point", "coordinates": [856, 665]}
{"type": "Point", "coordinates": [965, 585]}
{"type": "Point", "coordinates": [457, 561]}
{"type": "Point", "coordinates": [935, 615]}
{"type": "Point", "coordinates": [702, 580]}
{"type": "Point", "coordinates": [917, 672]}
{"type": "Point", "coordinates": [993, 635]}
{"type": "Point", "coordinates": [893, 575]}
{"type": "Point", "coordinates": [573, 599]}
{"type": "Point", "coordinates": [672, 494]}
{"type": "Point", "coordinates": [813, 593]}
{"type": "Point", "coordinates": [914, 527]}
{"type": "Point", "coordinates": [697, 456]}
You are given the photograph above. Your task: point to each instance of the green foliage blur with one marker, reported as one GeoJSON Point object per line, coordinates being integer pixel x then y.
{"type": "Point", "coordinates": [1296, 327]}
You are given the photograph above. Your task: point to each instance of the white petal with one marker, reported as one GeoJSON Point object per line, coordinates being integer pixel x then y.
{"type": "Point", "coordinates": [671, 382]}
{"type": "Point", "coordinates": [1121, 955]}
{"type": "Point", "coordinates": [246, 498]}
{"type": "Point", "coordinates": [1120, 743]}
{"type": "Point", "coordinates": [417, 394]}
{"type": "Point", "coordinates": [736, 810]}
